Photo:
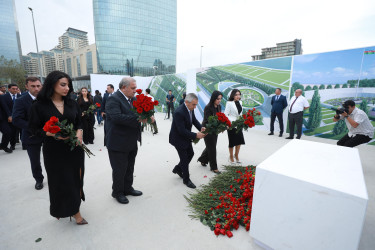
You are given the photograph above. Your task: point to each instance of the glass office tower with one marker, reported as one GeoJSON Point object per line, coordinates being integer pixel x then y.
{"type": "Point", "coordinates": [10, 45]}
{"type": "Point", "coordinates": [136, 37]}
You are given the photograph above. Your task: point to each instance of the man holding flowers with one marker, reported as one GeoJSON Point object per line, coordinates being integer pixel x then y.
{"type": "Point", "coordinates": [123, 130]}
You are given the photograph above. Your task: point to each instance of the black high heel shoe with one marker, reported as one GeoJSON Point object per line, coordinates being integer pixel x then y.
{"type": "Point", "coordinates": [82, 222]}
{"type": "Point", "coordinates": [203, 164]}
{"type": "Point", "coordinates": [216, 171]}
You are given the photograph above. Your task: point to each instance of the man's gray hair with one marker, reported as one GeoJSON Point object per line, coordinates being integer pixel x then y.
{"type": "Point", "coordinates": [190, 97]}
{"type": "Point", "coordinates": [125, 82]}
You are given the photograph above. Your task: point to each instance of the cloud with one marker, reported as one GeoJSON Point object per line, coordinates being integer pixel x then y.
{"type": "Point", "coordinates": [339, 70]}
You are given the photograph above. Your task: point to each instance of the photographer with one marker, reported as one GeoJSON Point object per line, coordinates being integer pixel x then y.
{"type": "Point", "coordinates": [359, 126]}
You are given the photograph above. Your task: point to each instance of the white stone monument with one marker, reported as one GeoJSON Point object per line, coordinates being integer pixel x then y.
{"type": "Point", "coordinates": [309, 195]}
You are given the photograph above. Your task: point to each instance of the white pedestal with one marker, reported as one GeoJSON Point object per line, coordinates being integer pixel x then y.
{"type": "Point", "coordinates": [309, 195]}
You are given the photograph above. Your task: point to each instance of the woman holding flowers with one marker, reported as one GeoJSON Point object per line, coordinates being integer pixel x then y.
{"type": "Point", "coordinates": [64, 165]}
{"type": "Point", "coordinates": [233, 110]}
{"type": "Point", "coordinates": [85, 102]}
{"type": "Point", "coordinates": [209, 153]}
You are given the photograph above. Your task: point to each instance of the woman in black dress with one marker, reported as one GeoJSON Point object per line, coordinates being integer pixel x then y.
{"type": "Point", "coordinates": [209, 153]}
{"type": "Point", "coordinates": [233, 110]}
{"type": "Point", "coordinates": [85, 101]}
{"type": "Point", "coordinates": [64, 167]}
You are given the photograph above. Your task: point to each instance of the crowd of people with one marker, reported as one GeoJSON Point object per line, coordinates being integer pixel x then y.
{"type": "Point", "coordinates": [65, 166]}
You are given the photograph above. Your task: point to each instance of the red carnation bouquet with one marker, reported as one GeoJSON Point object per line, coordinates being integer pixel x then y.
{"type": "Point", "coordinates": [144, 106]}
{"type": "Point", "coordinates": [92, 109]}
{"type": "Point", "coordinates": [246, 121]}
{"type": "Point", "coordinates": [216, 124]}
{"type": "Point", "coordinates": [65, 130]}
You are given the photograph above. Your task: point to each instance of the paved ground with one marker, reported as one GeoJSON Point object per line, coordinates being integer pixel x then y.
{"type": "Point", "coordinates": [157, 220]}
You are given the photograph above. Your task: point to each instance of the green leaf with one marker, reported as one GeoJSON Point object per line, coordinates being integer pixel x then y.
{"type": "Point", "coordinates": [38, 240]}
{"type": "Point", "coordinates": [204, 222]}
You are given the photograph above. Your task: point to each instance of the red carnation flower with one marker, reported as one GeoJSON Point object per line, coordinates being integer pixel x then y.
{"type": "Point", "coordinates": [54, 120]}
{"type": "Point", "coordinates": [98, 105]}
{"type": "Point", "coordinates": [229, 234]}
{"type": "Point", "coordinates": [54, 129]}
{"type": "Point", "coordinates": [139, 91]}
{"type": "Point", "coordinates": [139, 110]}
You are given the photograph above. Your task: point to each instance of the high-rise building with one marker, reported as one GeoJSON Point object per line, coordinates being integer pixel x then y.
{"type": "Point", "coordinates": [73, 39]}
{"type": "Point", "coordinates": [133, 36]}
{"type": "Point", "coordinates": [282, 49]}
{"type": "Point", "coordinates": [10, 45]}
{"type": "Point", "coordinates": [81, 62]}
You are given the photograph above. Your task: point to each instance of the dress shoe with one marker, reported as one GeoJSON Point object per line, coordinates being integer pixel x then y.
{"type": "Point", "coordinates": [38, 185]}
{"type": "Point", "coordinates": [298, 137]}
{"type": "Point", "coordinates": [290, 137]}
{"type": "Point", "coordinates": [280, 135]}
{"type": "Point", "coordinates": [13, 148]}
{"type": "Point", "coordinates": [134, 193]}
{"type": "Point", "coordinates": [270, 133]}
{"type": "Point", "coordinates": [202, 163]}
{"type": "Point", "coordinates": [216, 171]}
{"type": "Point", "coordinates": [121, 198]}
{"type": "Point", "coordinates": [155, 132]}
{"type": "Point", "coordinates": [189, 184]}
{"type": "Point", "coordinates": [177, 171]}
{"type": "Point", "coordinates": [8, 150]}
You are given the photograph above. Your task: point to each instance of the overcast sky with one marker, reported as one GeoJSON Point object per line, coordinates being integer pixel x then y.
{"type": "Point", "coordinates": [230, 30]}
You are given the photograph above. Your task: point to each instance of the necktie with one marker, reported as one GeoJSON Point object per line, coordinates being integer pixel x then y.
{"type": "Point", "coordinates": [130, 102]}
{"type": "Point", "coordinates": [277, 97]}
{"type": "Point", "coordinates": [291, 106]}
{"type": "Point", "coordinates": [191, 115]}
{"type": "Point", "coordinates": [14, 98]}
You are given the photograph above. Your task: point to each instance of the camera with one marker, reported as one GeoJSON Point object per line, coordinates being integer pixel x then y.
{"type": "Point", "coordinates": [339, 111]}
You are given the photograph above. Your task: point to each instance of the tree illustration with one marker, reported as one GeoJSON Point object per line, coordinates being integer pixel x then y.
{"type": "Point", "coordinates": [345, 85]}
{"type": "Point", "coordinates": [337, 86]}
{"type": "Point", "coordinates": [308, 88]}
{"type": "Point", "coordinates": [329, 86]}
{"type": "Point", "coordinates": [364, 106]}
{"type": "Point", "coordinates": [322, 86]}
{"type": "Point", "coordinates": [296, 86]}
{"type": "Point", "coordinates": [315, 112]}
{"type": "Point", "coordinates": [340, 128]}
{"type": "Point", "coordinates": [315, 87]}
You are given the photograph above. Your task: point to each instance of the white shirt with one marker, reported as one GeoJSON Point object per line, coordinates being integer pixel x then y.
{"type": "Point", "coordinates": [32, 97]}
{"type": "Point", "coordinates": [364, 128]}
{"type": "Point", "coordinates": [298, 106]}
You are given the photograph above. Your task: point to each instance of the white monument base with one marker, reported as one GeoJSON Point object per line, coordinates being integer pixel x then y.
{"type": "Point", "coordinates": [309, 195]}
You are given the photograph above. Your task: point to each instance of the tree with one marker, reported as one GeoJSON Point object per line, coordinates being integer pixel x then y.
{"type": "Point", "coordinates": [308, 88]}
{"type": "Point", "coordinates": [315, 112]}
{"type": "Point", "coordinates": [340, 128]}
{"type": "Point", "coordinates": [13, 72]}
{"type": "Point", "coordinates": [329, 86]}
{"type": "Point", "coordinates": [345, 85]}
{"type": "Point", "coordinates": [322, 86]}
{"type": "Point", "coordinates": [364, 106]}
{"type": "Point", "coordinates": [337, 86]}
{"type": "Point", "coordinates": [296, 86]}
{"type": "Point", "coordinates": [352, 84]}
{"type": "Point", "coordinates": [315, 87]}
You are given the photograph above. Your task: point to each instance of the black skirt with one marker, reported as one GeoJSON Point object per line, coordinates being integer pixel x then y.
{"type": "Point", "coordinates": [235, 139]}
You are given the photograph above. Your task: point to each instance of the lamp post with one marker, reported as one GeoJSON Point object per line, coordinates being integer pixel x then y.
{"type": "Point", "coordinates": [37, 49]}
{"type": "Point", "coordinates": [155, 68]}
{"type": "Point", "coordinates": [201, 58]}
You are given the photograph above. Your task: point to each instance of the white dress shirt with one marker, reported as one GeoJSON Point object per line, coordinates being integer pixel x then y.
{"type": "Point", "coordinates": [298, 106]}
{"type": "Point", "coordinates": [364, 128]}
{"type": "Point", "coordinates": [32, 97]}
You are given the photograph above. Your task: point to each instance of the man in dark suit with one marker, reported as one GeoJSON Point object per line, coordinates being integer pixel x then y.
{"type": "Point", "coordinates": [110, 91]}
{"type": "Point", "coordinates": [123, 130]}
{"type": "Point", "coordinates": [181, 136]}
{"type": "Point", "coordinates": [33, 144]}
{"type": "Point", "coordinates": [278, 103]}
{"type": "Point", "coordinates": [7, 102]}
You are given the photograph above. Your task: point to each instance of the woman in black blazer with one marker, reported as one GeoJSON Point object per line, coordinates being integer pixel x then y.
{"type": "Point", "coordinates": [209, 153]}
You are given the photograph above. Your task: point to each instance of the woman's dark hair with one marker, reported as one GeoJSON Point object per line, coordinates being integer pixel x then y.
{"type": "Point", "coordinates": [184, 95]}
{"type": "Point", "coordinates": [80, 98]}
{"type": "Point", "coordinates": [96, 92]}
{"type": "Point", "coordinates": [214, 96]}
{"type": "Point", "coordinates": [233, 93]}
{"type": "Point", "coordinates": [48, 88]}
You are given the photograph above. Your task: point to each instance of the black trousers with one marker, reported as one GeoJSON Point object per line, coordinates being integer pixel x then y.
{"type": "Point", "coordinates": [33, 150]}
{"type": "Point", "coordinates": [185, 158]}
{"type": "Point", "coordinates": [88, 129]}
{"type": "Point", "coordinates": [295, 119]}
{"type": "Point", "coordinates": [353, 141]}
{"type": "Point", "coordinates": [170, 106]}
{"type": "Point", "coordinates": [281, 122]}
{"type": "Point", "coordinates": [9, 134]}
{"type": "Point", "coordinates": [122, 164]}
{"type": "Point", "coordinates": [209, 153]}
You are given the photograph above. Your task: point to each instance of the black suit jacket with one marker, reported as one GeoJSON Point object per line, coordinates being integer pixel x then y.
{"type": "Point", "coordinates": [104, 102]}
{"type": "Point", "coordinates": [122, 129]}
{"type": "Point", "coordinates": [7, 104]}
{"type": "Point", "coordinates": [180, 135]}
{"type": "Point", "coordinates": [279, 105]}
{"type": "Point", "coordinates": [20, 119]}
